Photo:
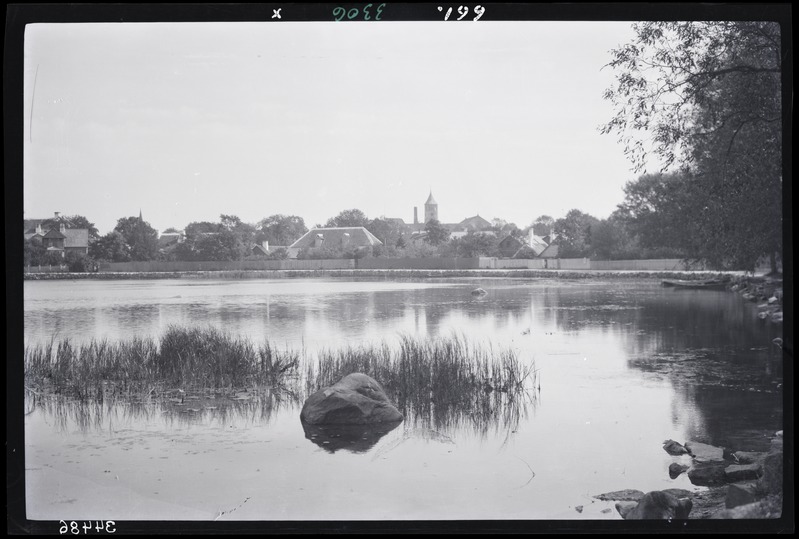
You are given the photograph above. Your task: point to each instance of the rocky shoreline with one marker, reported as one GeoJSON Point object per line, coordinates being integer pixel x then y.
{"type": "Point", "coordinates": [741, 485]}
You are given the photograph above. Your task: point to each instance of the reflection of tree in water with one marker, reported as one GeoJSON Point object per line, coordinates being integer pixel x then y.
{"type": "Point", "coordinates": [738, 419]}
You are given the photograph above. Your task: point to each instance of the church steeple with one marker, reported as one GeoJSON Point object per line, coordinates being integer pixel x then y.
{"type": "Point", "coordinates": [430, 208]}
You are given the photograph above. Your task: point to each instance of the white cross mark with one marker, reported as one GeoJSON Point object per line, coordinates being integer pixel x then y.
{"type": "Point", "coordinates": [276, 13]}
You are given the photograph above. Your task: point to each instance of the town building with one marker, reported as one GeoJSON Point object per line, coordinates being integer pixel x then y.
{"type": "Point", "coordinates": [347, 238]}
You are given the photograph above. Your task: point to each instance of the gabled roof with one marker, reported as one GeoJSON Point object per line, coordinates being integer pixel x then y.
{"type": "Point", "coordinates": [537, 244]}
{"type": "Point", "coordinates": [54, 235]}
{"type": "Point", "coordinates": [346, 236]}
{"type": "Point", "coordinates": [475, 223]}
{"type": "Point", "coordinates": [76, 237]}
{"type": "Point", "coordinates": [550, 252]}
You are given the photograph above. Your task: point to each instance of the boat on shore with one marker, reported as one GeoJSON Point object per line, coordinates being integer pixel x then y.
{"type": "Point", "coordinates": [709, 284]}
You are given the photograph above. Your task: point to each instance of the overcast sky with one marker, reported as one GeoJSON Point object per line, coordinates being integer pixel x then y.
{"type": "Point", "coordinates": [185, 121]}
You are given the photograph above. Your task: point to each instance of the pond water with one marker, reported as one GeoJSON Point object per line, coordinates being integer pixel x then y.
{"type": "Point", "coordinates": [622, 366]}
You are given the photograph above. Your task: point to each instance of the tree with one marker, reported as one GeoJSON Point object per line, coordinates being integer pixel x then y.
{"type": "Point", "coordinates": [574, 234]}
{"type": "Point", "coordinates": [141, 238]}
{"type": "Point", "coordinates": [223, 245]}
{"type": "Point", "coordinates": [706, 96]}
{"type": "Point", "coordinates": [436, 232]}
{"type": "Point", "coordinates": [111, 247]}
{"type": "Point", "coordinates": [33, 252]}
{"type": "Point", "coordinates": [656, 207]}
{"type": "Point", "coordinates": [352, 217]}
{"type": "Point", "coordinates": [387, 231]}
{"type": "Point", "coordinates": [475, 244]}
{"type": "Point", "coordinates": [280, 229]}
{"type": "Point", "coordinates": [543, 225]}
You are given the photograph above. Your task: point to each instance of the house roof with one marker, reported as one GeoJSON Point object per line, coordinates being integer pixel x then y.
{"type": "Point", "coordinates": [550, 252]}
{"type": "Point", "coordinates": [54, 234]}
{"type": "Point", "coordinates": [76, 237]}
{"type": "Point", "coordinates": [475, 223]}
{"type": "Point", "coordinates": [510, 242]}
{"type": "Point", "coordinates": [346, 236]}
{"type": "Point", "coordinates": [537, 243]}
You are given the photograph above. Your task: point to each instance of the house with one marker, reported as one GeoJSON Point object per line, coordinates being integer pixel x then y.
{"type": "Point", "coordinates": [550, 252]}
{"type": "Point", "coordinates": [59, 237]}
{"type": "Point", "coordinates": [474, 223]}
{"type": "Point", "coordinates": [509, 246]}
{"type": "Point", "coordinates": [532, 246]}
{"type": "Point", "coordinates": [336, 238]}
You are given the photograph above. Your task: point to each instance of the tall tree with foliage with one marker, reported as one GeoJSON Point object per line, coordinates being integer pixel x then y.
{"type": "Point", "coordinates": [280, 229]}
{"type": "Point", "coordinates": [353, 217]}
{"type": "Point", "coordinates": [436, 232]}
{"type": "Point", "coordinates": [706, 97]}
{"type": "Point", "coordinates": [574, 234]}
{"type": "Point", "coordinates": [141, 238]}
{"type": "Point", "coordinates": [111, 248]}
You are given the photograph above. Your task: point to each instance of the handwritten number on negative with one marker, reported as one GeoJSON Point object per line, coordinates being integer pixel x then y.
{"type": "Point", "coordinates": [339, 13]}
{"type": "Point", "coordinates": [100, 526]}
{"type": "Point", "coordinates": [464, 10]}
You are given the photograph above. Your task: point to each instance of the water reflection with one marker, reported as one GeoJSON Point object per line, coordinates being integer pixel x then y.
{"type": "Point", "coordinates": [353, 438]}
{"type": "Point", "coordinates": [90, 415]}
{"type": "Point", "coordinates": [690, 339]}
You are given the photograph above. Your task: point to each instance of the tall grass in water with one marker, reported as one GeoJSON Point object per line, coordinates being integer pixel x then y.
{"type": "Point", "coordinates": [181, 358]}
{"type": "Point", "coordinates": [441, 381]}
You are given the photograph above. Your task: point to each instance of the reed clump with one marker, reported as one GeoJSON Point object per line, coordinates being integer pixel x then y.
{"type": "Point", "coordinates": [182, 357]}
{"type": "Point", "coordinates": [444, 380]}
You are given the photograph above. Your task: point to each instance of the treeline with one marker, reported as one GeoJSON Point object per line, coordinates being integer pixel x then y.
{"type": "Point", "coordinates": [704, 97]}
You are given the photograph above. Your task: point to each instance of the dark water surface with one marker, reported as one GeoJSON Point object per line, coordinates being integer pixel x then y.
{"type": "Point", "coordinates": [623, 365]}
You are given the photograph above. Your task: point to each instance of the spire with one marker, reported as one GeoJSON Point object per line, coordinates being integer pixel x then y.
{"type": "Point", "coordinates": [430, 199]}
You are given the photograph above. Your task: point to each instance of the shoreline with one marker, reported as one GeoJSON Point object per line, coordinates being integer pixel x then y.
{"type": "Point", "coordinates": [389, 273]}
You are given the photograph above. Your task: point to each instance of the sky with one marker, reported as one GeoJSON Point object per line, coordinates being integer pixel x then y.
{"type": "Point", "coordinates": [187, 121]}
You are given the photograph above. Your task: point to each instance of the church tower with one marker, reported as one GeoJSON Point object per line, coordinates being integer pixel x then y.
{"type": "Point", "coordinates": [430, 209]}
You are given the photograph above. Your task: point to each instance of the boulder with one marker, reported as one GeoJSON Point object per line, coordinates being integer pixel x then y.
{"type": "Point", "coordinates": [673, 448]}
{"type": "Point", "coordinates": [741, 494]}
{"type": "Point", "coordinates": [675, 469]}
{"type": "Point", "coordinates": [626, 495]}
{"type": "Point", "coordinates": [742, 472]}
{"type": "Point", "coordinates": [704, 453]}
{"type": "Point", "coordinates": [771, 481]}
{"type": "Point", "coordinates": [479, 292]}
{"type": "Point", "coordinates": [656, 505]}
{"type": "Point", "coordinates": [356, 399]}
{"type": "Point", "coordinates": [747, 457]}
{"type": "Point", "coordinates": [707, 475]}
{"type": "Point", "coordinates": [768, 508]}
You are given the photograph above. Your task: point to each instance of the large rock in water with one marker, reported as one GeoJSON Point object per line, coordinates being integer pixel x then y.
{"type": "Point", "coordinates": [356, 399]}
{"type": "Point", "coordinates": [656, 505]}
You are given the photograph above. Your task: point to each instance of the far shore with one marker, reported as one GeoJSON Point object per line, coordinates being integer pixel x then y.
{"type": "Point", "coordinates": [391, 273]}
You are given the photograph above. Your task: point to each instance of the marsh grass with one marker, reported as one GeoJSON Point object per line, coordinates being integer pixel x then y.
{"type": "Point", "coordinates": [440, 381]}
{"type": "Point", "coordinates": [186, 358]}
